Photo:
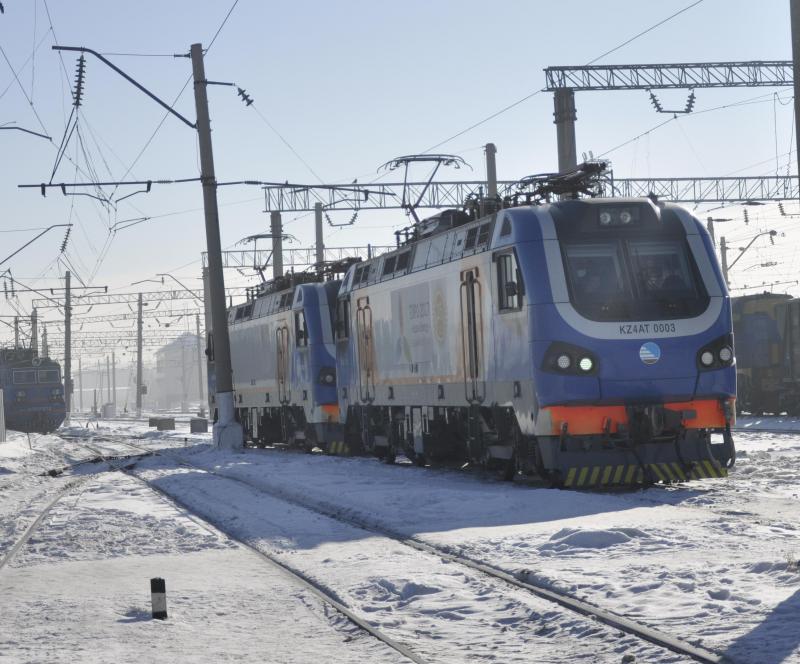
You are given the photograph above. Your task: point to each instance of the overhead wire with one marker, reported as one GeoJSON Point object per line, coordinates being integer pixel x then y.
{"type": "Point", "coordinates": [644, 32]}
{"type": "Point", "coordinates": [111, 235]}
{"type": "Point", "coordinates": [536, 92]}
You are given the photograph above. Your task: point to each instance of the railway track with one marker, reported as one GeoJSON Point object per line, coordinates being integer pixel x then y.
{"type": "Point", "coordinates": [301, 579]}
{"type": "Point", "coordinates": [68, 488]}
{"type": "Point", "coordinates": [562, 599]}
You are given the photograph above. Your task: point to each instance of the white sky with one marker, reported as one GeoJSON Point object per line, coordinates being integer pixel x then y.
{"type": "Point", "coordinates": [349, 85]}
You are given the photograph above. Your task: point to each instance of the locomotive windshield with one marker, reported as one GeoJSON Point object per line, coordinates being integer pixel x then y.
{"type": "Point", "coordinates": [49, 376]}
{"type": "Point", "coordinates": [633, 279]}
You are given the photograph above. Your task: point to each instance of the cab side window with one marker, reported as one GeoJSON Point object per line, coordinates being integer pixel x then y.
{"type": "Point", "coordinates": [509, 282]}
{"type": "Point", "coordinates": [300, 329]}
{"type": "Point", "coordinates": [343, 319]}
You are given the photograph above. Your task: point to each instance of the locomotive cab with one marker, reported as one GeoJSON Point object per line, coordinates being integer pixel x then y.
{"type": "Point", "coordinates": [633, 353]}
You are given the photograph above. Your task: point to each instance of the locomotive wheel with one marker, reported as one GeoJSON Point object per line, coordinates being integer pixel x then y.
{"type": "Point", "coordinates": [744, 394]}
{"type": "Point", "coordinates": [311, 440]}
{"type": "Point", "coordinates": [389, 457]}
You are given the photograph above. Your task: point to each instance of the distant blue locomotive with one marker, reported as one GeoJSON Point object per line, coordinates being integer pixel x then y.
{"type": "Point", "coordinates": [587, 341]}
{"type": "Point", "coordinates": [33, 393]}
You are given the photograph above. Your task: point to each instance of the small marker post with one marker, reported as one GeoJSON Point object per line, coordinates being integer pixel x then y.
{"type": "Point", "coordinates": [158, 595]}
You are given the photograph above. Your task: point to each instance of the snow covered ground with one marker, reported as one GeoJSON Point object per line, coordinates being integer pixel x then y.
{"type": "Point", "coordinates": [714, 562]}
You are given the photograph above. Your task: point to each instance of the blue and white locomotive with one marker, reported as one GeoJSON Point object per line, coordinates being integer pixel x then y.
{"type": "Point", "coordinates": [33, 394]}
{"type": "Point", "coordinates": [283, 362]}
{"type": "Point", "coordinates": [588, 341]}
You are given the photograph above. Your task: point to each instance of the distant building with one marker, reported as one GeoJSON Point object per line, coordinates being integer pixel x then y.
{"type": "Point", "coordinates": [176, 379]}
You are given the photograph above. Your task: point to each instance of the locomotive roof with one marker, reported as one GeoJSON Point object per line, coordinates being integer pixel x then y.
{"type": "Point", "coordinates": [444, 246]}
{"type": "Point", "coordinates": [265, 304]}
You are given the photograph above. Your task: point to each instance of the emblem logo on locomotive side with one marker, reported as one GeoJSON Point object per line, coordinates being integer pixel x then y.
{"type": "Point", "coordinates": [650, 353]}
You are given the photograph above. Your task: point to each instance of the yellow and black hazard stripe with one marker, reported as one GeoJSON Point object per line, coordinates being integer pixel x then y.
{"type": "Point", "coordinates": [339, 447]}
{"type": "Point", "coordinates": [632, 474]}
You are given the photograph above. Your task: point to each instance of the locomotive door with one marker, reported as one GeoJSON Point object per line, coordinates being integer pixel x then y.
{"type": "Point", "coordinates": [366, 353]}
{"type": "Point", "coordinates": [282, 364]}
{"type": "Point", "coordinates": [472, 335]}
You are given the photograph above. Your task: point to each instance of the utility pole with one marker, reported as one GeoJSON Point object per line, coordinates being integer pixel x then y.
{"type": "Point", "coordinates": [491, 170]}
{"type": "Point", "coordinates": [108, 378]}
{"type": "Point", "coordinates": [227, 431]}
{"type": "Point", "coordinates": [276, 230]}
{"type": "Point", "coordinates": [320, 242]}
{"type": "Point", "coordinates": [723, 251]}
{"type": "Point", "coordinates": [16, 332]}
{"type": "Point", "coordinates": [114, 380]}
{"type": "Point", "coordinates": [565, 116]}
{"type": "Point", "coordinates": [67, 344]}
{"type": "Point", "coordinates": [794, 12]}
{"type": "Point", "coordinates": [139, 360]}
{"type": "Point", "coordinates": [199, 360]}
{"type": "Point", "coordinates": [34, 334]}
{"type": "Point", "coordinates": [710, 227]}
{"type": "Point", "coordinates": [45, 346]}
{"type": "Point", "coordinates": [80, 384]}
{"type": "Point", "coordinates": [184, 389]}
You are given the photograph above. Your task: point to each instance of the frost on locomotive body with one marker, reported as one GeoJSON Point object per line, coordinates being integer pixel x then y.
{"type": "Point", "coordinates": [33, 394]}
{"type": "Point", "coordinates": [589, 341]}
{"type": "Point", "coordinates": [283, 362]}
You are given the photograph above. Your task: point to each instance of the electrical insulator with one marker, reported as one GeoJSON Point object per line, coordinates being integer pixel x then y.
{"type": "Point", "coordinates": [79, 75]}
{"type": "Point", "coordinates": [66, 239]}
{"type": "Point", "coordinates": [656, 103]}
{"type": "Point", "coordinates": [780, 207]}
{"type": "Point", "coordinates": [746, 217]}
{"type": "Point", "coordinates": [690, 102]}
{"type": "Point", "coordinates": [245, 97]}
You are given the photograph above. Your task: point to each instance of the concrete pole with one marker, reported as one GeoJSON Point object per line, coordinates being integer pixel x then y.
{"type": "Point", "coordinates": [114, 380]}
{"type": "Point", "coordinates": [139, 359]}
{"type": "Point", "coordinates": [34, 333]}
{"type": "Point", "coordinates": [794, 11]}
{"type": "Point", "coordinates": [276, 229]}
{"type": "Point", "coordinates": [184, 388]}
{"type": "Point", "coordinates": [710, 226]}
{"type": "Point", "coordinates": [491, 171]}
{"type": "Point", "coordinates": [45, 345]}
{"type": "Point", "coordinates": [199, 359]}
{"type": "Point", "coordinates": [320, 242]}
{"type": "Point", "coordinates": [108, 378]}
{"type": "Point", "coordinates": [209, 341]}
{"type": "Point", "coordinates": [723, 250]}
{"type": "Point", "coordinates": [80, 384]}
{"type": "Point", "coordinates": [67, 344]}
{"type": "Point", "coordinates": [227, 431]}
{"type": "Point", "coordinates": [16, 332]}
{"type": "Point", "coordinates": [565, 116]}
{"type": "Point", "coordinates": [99, 382]}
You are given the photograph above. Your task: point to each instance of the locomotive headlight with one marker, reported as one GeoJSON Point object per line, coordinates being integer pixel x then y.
{"type": "Point", "coordinates": [564, 361]}
{"type": "Point", "coordinates": [707, 358]}
{"type": "Point", "coordinates": [605, 218]}
{"type": "Point", "coordinates": [625, 217]}
{"type": "Point", "coordinates": [585, 364]}
{"type": "Point", "coordinates": [327, 376]}
{"type": "Point", "coordinates": [21, 395]}
{"type": "Point", "coordinates": [726, 354]}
